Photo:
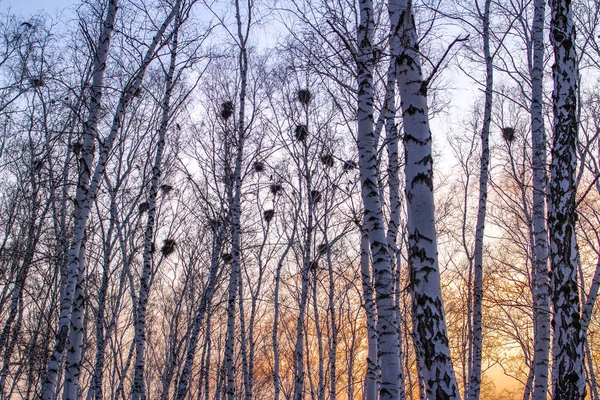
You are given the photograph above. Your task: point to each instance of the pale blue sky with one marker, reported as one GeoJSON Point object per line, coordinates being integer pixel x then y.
{"type": "Point", "coordinates": [28, 7]}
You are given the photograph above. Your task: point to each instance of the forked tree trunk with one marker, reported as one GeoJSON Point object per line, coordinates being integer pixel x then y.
{"type": "Point", "coordinates": [387, 323]}
{"type": "Point", "coordinates": [81, 197]}
{"type": "Point", "coordinates": [568, 371]}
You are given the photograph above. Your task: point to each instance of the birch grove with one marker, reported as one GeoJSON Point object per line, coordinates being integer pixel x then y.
{"type": "Point", "coordinates": [300, 200]}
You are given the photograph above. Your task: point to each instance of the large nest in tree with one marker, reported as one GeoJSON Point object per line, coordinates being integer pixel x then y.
{"type": "Point", "coordinates": [301, 132]}
{"type": "Point", "coordinates": [226, 110]}
{"type": "Point", "coordinates": [508, 134]}
{"type": "Point", "coordinates": [37, 82]}
{"type": "Point", "coordinates": [304, 96]}
{"type": "Point", "coordinates": [269, 214]}
{"type": "Point", "coordinates": [276, 188]}
{"type": "Point", "coordinates": [168, 247]}
{"type": "Point", "coordinates": [166, 189]}
{"type": "Point", "coordinates": [259, 166]}
{"type": "Point", "coordinates": [327, 160]}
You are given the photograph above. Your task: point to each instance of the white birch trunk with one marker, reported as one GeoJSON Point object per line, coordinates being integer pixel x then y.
{"type": "Point", "coordinates": [387, 324]}
{"type": "Point", "coordinates": [201, 312]}
{"type": "Point", "coordinates": [568, 371]}
{"type": "Point", "coordinates": [243, 337]}
{"type": "Point", "coordinates": [541, 286]}
{"type": "Point", "coordinates": [97, 377]}
{"type": "Point", "coordinates": [84, 194]}
{"type": "Point", "coordinates": [393, 171]}
{"type": "Point", "coordinates": [147, 268]}
{"type": "Point", "coordinates": [332, 318]}
{"type": "Point", "coordinates": [275, 336]}
{"type": "Point", "coordinates": [428, 308]}
{"type": "Point", "coordinates": [75, 343]}
{"type": "Point", "coordinates": [319, 333]}
{"type": "Point", "coordinates": [236, 207]}
{"type": "Point", "coordinates": [299, 373]}
{"type": "Point", "coordinates": [370, 392]}
{"type": "Point", "coordinates": [476, 353]}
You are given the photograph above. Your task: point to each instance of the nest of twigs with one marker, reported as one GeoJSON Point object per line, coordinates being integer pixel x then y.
{"type": "Point", "coordinates": [77, 147]}
{"type": "Point", "coordinates": [508, 134]}
{"type": "Point", "coordinates": [304, 96]}
{"type": "Point", "coordinates": [227, 110]}
{"type": "Point", "coordinates": [37, 82]}
{"type": "Point", "coordinates": [327, 160]}
{"type": "Point", "coordinates": [259, 166]}
{"type": "Point", "coordinates": [166, 189]}
{"type": "Point", "coordinates": [226, 257]}
{"type": "Point", "coordinates": [168, 247]}
{"type": "Point", "coordinates": [301, 132]}
{"type": "Point", "coordinates": [275, 188]}
{"type": "Point", "coordinates": [268, 215]}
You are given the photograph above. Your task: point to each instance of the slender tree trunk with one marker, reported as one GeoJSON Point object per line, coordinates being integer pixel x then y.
{"type": "Point", "coordinates": [275, 336]}
{"type": "Point", "coordinates": [393, 171]}
{"type": "Point", "coordinates": [299, 365]}
{"type": "Point", "coordinates": [372, 374]}
{"type": "Point", "coordinates": [568, 372]}
{"type": "Point", "coordinates": [75, 343]}
{"type": "Point", "coordinates": [529, 385]}
{"type": "Point", "coordinates": [236, 207]}
{"type": "Point", "coordinates": [541, 289]}
{"type": "Point", "coordinates": [428, 308]}
{"type": "Point", "coordinates": [82, 197]}
{"type": "Point", "coordinates": [477, 348]}
{"type": "Point", "coordinates": [97, 378]}
{"type": "Point", "coordinates": [138, 391]}
{"type": "Point", "coordinates": [332, 319]}
{"type": "Point", "coordinates": [243, 338]}
{"type": "Point", "coordinates": [387, 325]}
{"type": "Point", "coordinates": [319, 333]}
{"type": "Point", "coordinates": [201, 312]}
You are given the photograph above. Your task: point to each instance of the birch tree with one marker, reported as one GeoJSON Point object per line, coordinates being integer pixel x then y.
{"type": "Point", "coordinates": [82, 200]}
{"type": "Point", "coordinates": [541, 289]}
{"type": "Point", "coordinates": [428, 309]}
{"type": "Point", "coordinates": [148, 265]}
{"type": "Point", "coordinates": [568, 372]}
{"type": "Point", "coordinates": [387, 323]}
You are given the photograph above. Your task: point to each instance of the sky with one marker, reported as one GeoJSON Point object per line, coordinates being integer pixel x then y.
{"type": "Point", "coordinates": [29, 7]}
